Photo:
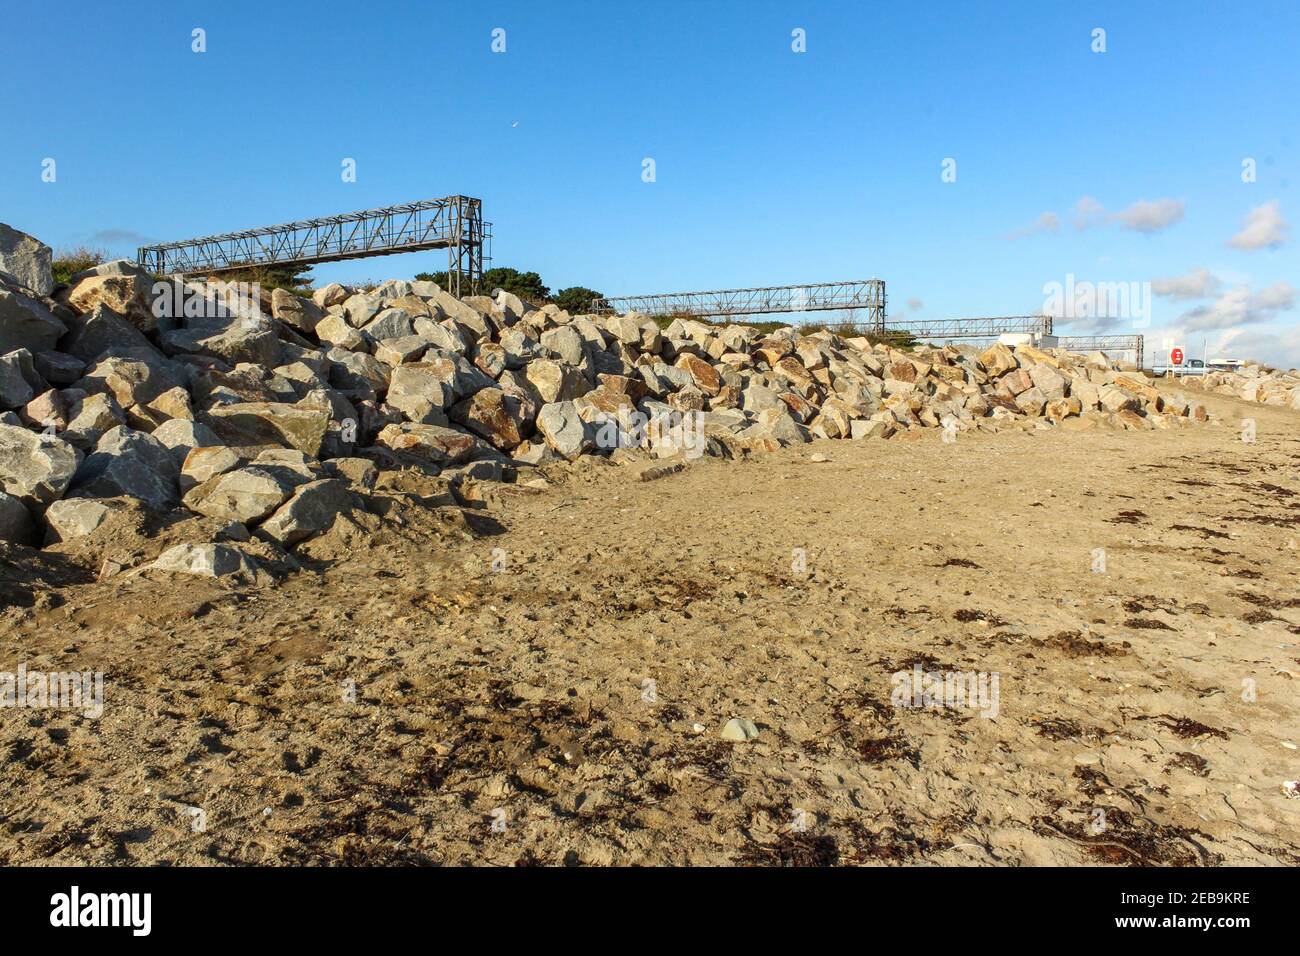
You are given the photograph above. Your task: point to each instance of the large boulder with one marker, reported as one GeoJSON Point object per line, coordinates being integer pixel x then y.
{"type": "Point", "coordinates": [223, 322]}
{"type": "Point", "coordinates": [776, 424]}
{"type": "Point", "coordinates": [132, 464]}
{"type": "Point", "coordinates": [114, 267]}
{"type": "Point", "coordinates": [431, 443]}
{"type": "Point", "coordinates": [423, 391]}
{"type": "Point", "coordinates": [444, 336]}
{"type": "Point", "coordinates": [132, 377]}
{"type": "Point", "coordinates": [332, 294]}
{"type": "Point", "coordinates": [75, 517]}
{"type": "Point", "coordinates": [19, 383]}
{"type": "Point", "coordinates": [564, 430]}
{"type": "Point", "coordinates": [49, 410]}
{"type": "Point", "coordinates": [311, 510]}
{"type": "Point", "coordinates": [296, 312]}
{"type": "Point", "coordinates": [357, 374]}
{"type": "Point", "coordinates": [556, 381]}
{"type": "Point", "coordinates": [518, 349]}
{"type": "Point", "coordinates": [275, 423]}
{"type": "Point", "coordinates": [89, 417]}
{"type": "Point", "coordinates": [399, 351]}
{"type": "Point", "coordinates": [58, 368]}
{"type": "Point", "coordinates": [208, 561]}
{"type": "Point", "coordinates": [510, 305]}
{"type": "Point", "coordinates": [25, 323]}
{"type": "Point", "coordinates": [27, 259]}
{"type": "Point", "coordinates": [207, 461]}
{"type": "Point", "coordinates": [1032, 401]}
{"type": "Point", "coordinates": [361, 308]}
{"type": "Point", "coordinates": [997, 360]}
{"type": "Point", "coordinates": [497, 415]}
{"type": "Point", "coordinates": [389, 324]}
{"type": "Point", "coordinates": [35, 468]}
{"type": "Point", "coordinates": [1049, 381]}
{"type": "Point", "coordinates": [103, 330]}
{"type": "Point", "coordinates": [334, 330]}
{"type": "Point", "coordinates": [469, 319]}
{"type": "Point", "coordinates": [127, 295]}
{"type": "Point", "coordinates": [15, 520]}
{"type": "Point", "coordinates": [757, 398]}
{"type": "Point", "coordinates": [246, 495]}
{"type": "Point", "coordinates": [182, 436]}
{"type": "Point", "coordinates": [564, 344]}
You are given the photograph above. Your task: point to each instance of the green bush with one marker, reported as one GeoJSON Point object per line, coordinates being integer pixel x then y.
{"type": "Point", "coordinates": [68, 262]}
{"type": "Point", "coordinates": [293, 279]}
{"type": "Point", "coordinates": [576, 299]}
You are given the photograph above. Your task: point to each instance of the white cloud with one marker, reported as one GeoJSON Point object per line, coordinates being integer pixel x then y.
{"type": "Point", "coordinates": [914, 305]}
{"type": "Point", "coordinates": [1145, 215]}
{"type": "Point", "coordinates": [1263, 227]}
{"type": "Point", "coordinates": [1277, 347]}
{"type": "Point", "coordinates": [1197, 284]}
{"type": "Point", "coordinates": [1047, 222]}
{"type": "Point", "coordinates": [1151, 215]}
{"type": "Point", "coordinates": [1273, 345]}
{"type": "Point", "coordinates": [1088, 212]}
{"type": "Point", "coordinates": [1103, 324]}
{"type": "Point", "coordinates": [1239, 307]}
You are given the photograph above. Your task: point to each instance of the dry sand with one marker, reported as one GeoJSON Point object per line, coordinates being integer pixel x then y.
{"type": "Point", "coordinates": [506, 716]}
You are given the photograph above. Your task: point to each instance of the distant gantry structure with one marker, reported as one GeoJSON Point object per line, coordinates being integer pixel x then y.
{"type": "Point", "coordinates": [987, 327]}
{"type": "Point", "coordinates": [1110, 344]}
{"type": "Point", "coordinates": [864, 295]}
{"type": "Point", "coordinates": [858, 296]}
{"type": "Point", "coordinates": [454, 223]}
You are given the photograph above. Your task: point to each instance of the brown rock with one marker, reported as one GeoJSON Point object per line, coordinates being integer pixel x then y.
{"type": "Point", "coordinates": [442, 446]}
{"type": "Point", "coordinates": [1135, 387]}
{"type": "Point", "coordinates": [793, 371]}
{"type": "Point", "coordinates": [495, 414]}
{"type": "Point", "coordinates": [704, 375]}
{"type": "Point", "coordinates": [49, 409]}
{"type": "Point", "coordinates": [127, 295]}
{"type": "Point", "coordinates": [1017, 381]}
{"type": "Point", "coordinates": [998, 360]}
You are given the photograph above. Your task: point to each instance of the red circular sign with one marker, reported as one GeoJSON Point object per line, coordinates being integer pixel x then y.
{"type": "Point", "coordinates": [1176, 356]}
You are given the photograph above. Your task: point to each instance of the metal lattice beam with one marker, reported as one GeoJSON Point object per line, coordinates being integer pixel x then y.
{"type": "Point", "coordinates": [454, 223]}
{"type": "Point", "coordinates": [864, 294]}
{"type": "Point", "coordinates": [989, 327]}
{"type": "Point", "coordinates": [1105, 343]}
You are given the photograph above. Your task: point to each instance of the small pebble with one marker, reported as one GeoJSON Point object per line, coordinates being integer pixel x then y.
{"type": "Point", "coordinates": [739, 728]}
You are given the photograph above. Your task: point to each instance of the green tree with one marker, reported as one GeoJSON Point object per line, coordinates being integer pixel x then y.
{"type": "Point", "coordinates": [576, 299]}
{"type": "Point", "coordinates": [527, 285]}
{"type": "Point", "coordinates": [296, 279]}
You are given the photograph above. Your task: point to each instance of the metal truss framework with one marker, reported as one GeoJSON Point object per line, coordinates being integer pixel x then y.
{"type": "Point", "coordinates": [454, 223]}
{"type": "Point", "coordinates": [989, 327]}
{"type": "Point", "coordinates": [1105, 343]}
{"type": "Point", "coordinates": [960, 329]}
{"type": "Point", "coordinates": [858, 294]}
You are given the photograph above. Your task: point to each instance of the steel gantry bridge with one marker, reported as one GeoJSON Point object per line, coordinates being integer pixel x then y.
{"type": "Point", "coordinates": [985, 327]}
{"type": "Point", "coordinates": [1110, 344]}
{"type": "Point", "coordinates": [454, 223]}
{"type": "Point", "coordinates": [866, 295]}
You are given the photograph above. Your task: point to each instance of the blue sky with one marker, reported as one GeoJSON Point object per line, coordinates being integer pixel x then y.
{"type": "Point", "coordinates": [772, 167]}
